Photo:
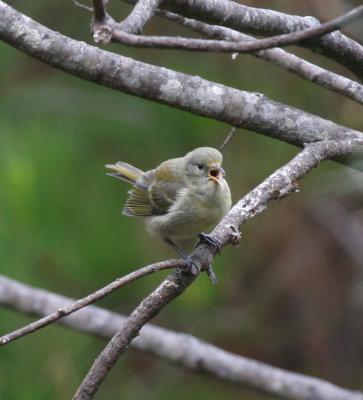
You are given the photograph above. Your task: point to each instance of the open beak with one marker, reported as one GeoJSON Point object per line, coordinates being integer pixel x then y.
{"type": "Point", "coordinates": [216, 173]}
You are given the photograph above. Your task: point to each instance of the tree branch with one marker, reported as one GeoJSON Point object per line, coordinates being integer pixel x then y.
{"type": "Point", "coordinates": [170, 87]}
{"type": "Point", "coordinates": [182, 349]}
{"type": "Point", "coordinates": [194, 94]}
{"type": "Point", "coordinates": [168, 42]}
{"type": "Point", "coordinates": [279, 57]}
{"type": "Point", "coordinates": [277, 185]}
{"type": "Point", "coordinates": [140, 15]}
{"type": "Point", "coordinates": [268, 22]}
{"type": "Point", "coordinates": [82, 6]}
{"type": "Point", "coordinates": [99, 11]}
{"type": "Point", "coordinates": [91, 298]}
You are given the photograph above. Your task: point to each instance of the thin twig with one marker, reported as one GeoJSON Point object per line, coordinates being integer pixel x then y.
{"type": "Point", "coordinates": [91, 298]}
{"type": "Point", "coordinates": [83, 6]}
{"type": "Point", "coordinates": [228, 137]}
{"type": "Point", "coordinates": [279, 57]}
{"type": "Point", "coordinates": [277, 185]}
{"type": "Point", "coordinates": [264, 22]}
{"type": "Point", "coordinates": [139, 16]}
{"type": "Point", "coordinates": [169, 42]}
{"type": "Point", "coordinates": [183, 350]}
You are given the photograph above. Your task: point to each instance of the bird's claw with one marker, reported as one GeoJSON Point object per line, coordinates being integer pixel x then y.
{"type": "Point", "coordinates": [191, 267]}
{"type": "Point", "coordinates": [211, 241]}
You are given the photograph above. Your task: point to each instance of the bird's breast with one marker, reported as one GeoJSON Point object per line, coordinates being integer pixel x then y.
{"type": "Point", "coordinates": [195, 210]}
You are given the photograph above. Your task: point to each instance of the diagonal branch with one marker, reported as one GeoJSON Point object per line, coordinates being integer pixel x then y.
{"type": "Point", "coordinates": [140, 15]}
{"type": "Point", "coordinates": [191, 93]}
{"type": "Point", "coordinates": [182, 349]}
{"type": "Point", "coordinates": [168, 42]}
{"type": "Point", "coordinates": [278, 185]}
{"type": "Point", "coordinates": [91, 298]}
{"type": "Point", "coordinates": [265, 22]}
{"type": "Point", "coordinates": [279, 57]}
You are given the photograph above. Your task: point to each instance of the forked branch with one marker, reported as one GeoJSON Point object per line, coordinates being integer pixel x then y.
{"type": "Point", "coordinates": [181, 349]}
{"type": "Point", "coordinates": [278, 185]}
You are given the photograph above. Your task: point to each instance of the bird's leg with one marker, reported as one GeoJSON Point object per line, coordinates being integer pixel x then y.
{"type": "Point", "coordinates": [191, 264]}
{"type": "Point", "coordinates": [211, 275]}
{"type": "Point", "coordinates": [204, 238]}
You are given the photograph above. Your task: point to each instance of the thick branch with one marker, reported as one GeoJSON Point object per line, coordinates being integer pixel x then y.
{"type": "Point", "coordinates": [140, 15]}
{"type": "Point", "coordinates": [168, 42]}
{"type": "Point", "coordinates": [267, 22]}
{"type": "Point", "coordinates": [278, 185]}
{"type": "Point", "coordinates": [184, 350]}
{"type": "Point", "coordinates": [191, 93]}
{"type": "Point", "coordinates": [92, 298]}
{"type": "Point", "coordinates": [279, 57]}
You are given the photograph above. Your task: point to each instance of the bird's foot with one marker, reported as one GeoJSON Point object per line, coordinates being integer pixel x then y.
{"type": "Point", "coordinates": [211, 241]}
{"type": "Point", "coordinates": [191, 267]}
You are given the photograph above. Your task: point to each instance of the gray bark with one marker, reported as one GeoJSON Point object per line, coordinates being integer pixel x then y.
{"type": "Point", "coordinates": [182, 349]}
{"type": "Point", "coordinates": [191, 93]}
{"type": "Point", "coordinates": [267, 22]}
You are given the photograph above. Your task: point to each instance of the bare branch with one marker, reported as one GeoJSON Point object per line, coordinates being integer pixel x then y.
{"type": "Point", "coordinates": [284, 181]}
{"type": "Point", "coordinates": [140, 15]}
{"type": "Point", "coordinates": [168, 290]}
{"type": "Point", "coordinates": [83, 6]}
{"type": "Point", "coordinates": [184, 350]}
{"type": "Point", "coordinates": [279, 57]}
{"type": "Point", "coordinates": [199, 96]}
{"type": "Point", "coordinates": [168, 42]}
{"type": "Point", "coordinates": [99, 10]}
{"type": "Point", "coordinates": [228, 137]}
{"type": "Point", "coordinates": [277, 185]}
{"type": "Point", "coordinates": [268, 22]}
{"type": "Point", "coordinates": [91, 298]}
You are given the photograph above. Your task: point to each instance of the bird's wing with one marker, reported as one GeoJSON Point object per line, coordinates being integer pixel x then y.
{"type": "Point", "coordinates": [155, 191]}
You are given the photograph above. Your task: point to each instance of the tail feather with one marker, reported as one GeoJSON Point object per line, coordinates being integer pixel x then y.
{"type": "Point", "coordinates": [124, 171]}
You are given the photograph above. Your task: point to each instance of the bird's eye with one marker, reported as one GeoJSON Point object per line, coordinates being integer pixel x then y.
{"type": "Point", "coordinates": [200, 166]}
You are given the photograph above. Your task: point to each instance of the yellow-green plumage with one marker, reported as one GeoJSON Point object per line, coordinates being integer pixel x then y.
{"type": "Point", "coordinates": [180, 198]}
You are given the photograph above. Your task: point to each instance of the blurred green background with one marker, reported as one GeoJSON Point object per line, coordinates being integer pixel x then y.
{"type": "Point", "coordinates": [290, 295]}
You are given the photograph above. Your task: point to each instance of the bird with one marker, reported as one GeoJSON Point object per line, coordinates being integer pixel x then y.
{"type": "Point", "coordinates": [180, 198]}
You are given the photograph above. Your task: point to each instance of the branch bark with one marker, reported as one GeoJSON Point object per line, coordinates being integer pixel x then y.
{"type": "Point", "coordinates": [277, 185]}
{"type": "Point", "coordinates": [268, 22]}
{"type": "Point", "coordinates": [241, 109]}
{"type": "Point", "coordinates": [182, 349]}
{"type": "Point", "coordinates": [92, 298]}
{"type": "Point", "coordinates": [139, 16]}
{"type": "Point", "coordinates": [191, 93]}
{"type": "Point", "coordinates": [169, 42]}
{"type": "Point", "coordinates": [278, 57]}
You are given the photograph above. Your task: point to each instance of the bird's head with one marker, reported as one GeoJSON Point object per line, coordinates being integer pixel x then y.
{"type": "Point", "coordinates": [204, 163]}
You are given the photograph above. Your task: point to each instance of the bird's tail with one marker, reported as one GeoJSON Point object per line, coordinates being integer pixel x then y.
{"type": "Point", "coordinates": [124, 171]}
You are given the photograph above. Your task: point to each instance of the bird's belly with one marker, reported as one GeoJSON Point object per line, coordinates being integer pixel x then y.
{"type": "Point", "coordinates": [189, 217]}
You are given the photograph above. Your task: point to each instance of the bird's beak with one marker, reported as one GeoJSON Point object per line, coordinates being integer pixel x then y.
{"type": "Point", "coordinates": [216, 173]}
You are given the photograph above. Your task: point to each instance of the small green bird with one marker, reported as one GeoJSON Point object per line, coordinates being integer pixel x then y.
{"type": "Point", "coordinates": [180, 198]}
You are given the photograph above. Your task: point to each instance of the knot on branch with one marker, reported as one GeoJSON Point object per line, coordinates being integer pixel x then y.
{"type": "Point", "coordinates": [101, 30]}
{"type": "Point", "coordinates": [291, 187]}
{"type": "Point", "coordinates": [235, 235]}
